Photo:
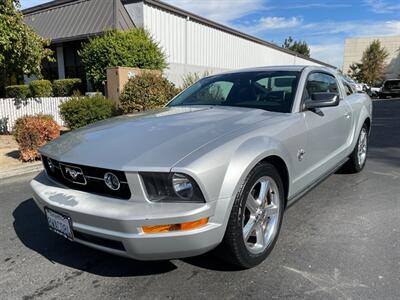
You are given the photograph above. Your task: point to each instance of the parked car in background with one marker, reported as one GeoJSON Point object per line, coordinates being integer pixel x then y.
{"type": "Point", "coordinates": [217, 167]}
{"type": "Point", "coordinates": [357, 87]}
{"type": "Point", "coordinates": [374, 91]}
{"type": "Point", "coordinates": [390, 88]}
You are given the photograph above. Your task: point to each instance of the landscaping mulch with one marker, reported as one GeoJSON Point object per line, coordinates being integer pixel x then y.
{"type": "Point", "coordinates": [9, 158]}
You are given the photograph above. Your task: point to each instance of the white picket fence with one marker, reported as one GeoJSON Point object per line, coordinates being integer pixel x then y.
{"type": "Point", "coordinates": [11, 109]}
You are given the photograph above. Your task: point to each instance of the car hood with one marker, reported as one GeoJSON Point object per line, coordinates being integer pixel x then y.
{"type": "Point", "coordinates": [153, 140]}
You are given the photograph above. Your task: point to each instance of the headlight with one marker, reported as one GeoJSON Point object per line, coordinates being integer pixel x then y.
{"type": "Point", "coordinates": [171, 187]}
{"type": "Point", "coordinates": [182, 185]}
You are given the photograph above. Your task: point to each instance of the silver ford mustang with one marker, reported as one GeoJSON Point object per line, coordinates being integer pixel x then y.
{"type": "Point", "coordinates": [215, 168]}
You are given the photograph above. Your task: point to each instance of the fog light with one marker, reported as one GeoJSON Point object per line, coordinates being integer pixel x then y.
{"type": "Point", "coordinates": [175, 227]}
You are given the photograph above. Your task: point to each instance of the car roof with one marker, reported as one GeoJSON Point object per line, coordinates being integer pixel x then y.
{"type": "Point", "coordinates": [295, 68]}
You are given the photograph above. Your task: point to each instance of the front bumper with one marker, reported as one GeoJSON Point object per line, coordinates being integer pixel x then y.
{"type": "Point", "coordinates": [104, 223]}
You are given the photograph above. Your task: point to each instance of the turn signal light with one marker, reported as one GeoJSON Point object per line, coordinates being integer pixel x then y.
{"type": "Point", "coordinates": [175, 227]}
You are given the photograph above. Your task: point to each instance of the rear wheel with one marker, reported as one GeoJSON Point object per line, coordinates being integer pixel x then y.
{"type": "Point", "coordinates": [255, 219]}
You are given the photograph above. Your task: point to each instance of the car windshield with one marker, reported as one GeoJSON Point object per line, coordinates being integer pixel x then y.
{"type": "Point", "coordinates": [392, 84]}
{"type": "Point", "coordinates": [269, 90]}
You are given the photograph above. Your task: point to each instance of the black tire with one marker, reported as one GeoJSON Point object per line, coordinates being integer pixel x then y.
{"type": "Point", "coordinates": [353, 165]}
{"type": "Point", "coordinates": [233, 248]}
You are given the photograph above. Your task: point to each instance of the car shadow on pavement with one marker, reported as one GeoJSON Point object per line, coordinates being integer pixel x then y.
{"type": "Point", "coordinates": [31, 228]}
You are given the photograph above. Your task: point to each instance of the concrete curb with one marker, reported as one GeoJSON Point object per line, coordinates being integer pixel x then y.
{"type": "Point", "coordinates": [21, 171]}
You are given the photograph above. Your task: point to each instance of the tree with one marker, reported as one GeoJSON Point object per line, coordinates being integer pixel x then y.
{"type": "Point", "coordinates": [355, 72]}
{"type": "Point", "coordinates": [300, 47]}
{"type": "Point", "coordinates": [21, 49]}
{"type": "Point", "coordinates": [372, 65]}
{"type": "Point", "coordinates": [132, 48]}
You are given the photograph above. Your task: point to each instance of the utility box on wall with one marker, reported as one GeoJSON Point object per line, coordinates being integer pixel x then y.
{"type": "Point", "coordinates": [117, 77]}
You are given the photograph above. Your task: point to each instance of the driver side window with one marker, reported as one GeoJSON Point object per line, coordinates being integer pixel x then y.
{"type": "Point", "coordinates": [320, 83]}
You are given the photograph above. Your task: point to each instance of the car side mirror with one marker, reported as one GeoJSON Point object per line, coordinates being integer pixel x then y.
{"type": "Point", "coordinates": [320, 100]}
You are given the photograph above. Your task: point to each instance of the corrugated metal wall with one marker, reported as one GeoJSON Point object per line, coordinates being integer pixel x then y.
{"type": "Point", "coordinates": [11, 110]}
{"type": "Point", "coordinates": [194, 44]}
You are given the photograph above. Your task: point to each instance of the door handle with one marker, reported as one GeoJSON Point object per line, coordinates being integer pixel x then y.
{"type": "Point", "coordinates": [348, 115]}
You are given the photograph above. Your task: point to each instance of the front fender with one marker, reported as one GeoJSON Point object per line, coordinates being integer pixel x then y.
{"type": "Point", "coordinates": [246, 157]}
{"type": "Point", "coordinates": [222, 171]}
{"type": "Point", "coordinates": [365, 112]}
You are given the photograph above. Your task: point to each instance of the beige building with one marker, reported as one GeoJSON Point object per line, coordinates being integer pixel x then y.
{"type": "Point", "coordinates": [354, 48]}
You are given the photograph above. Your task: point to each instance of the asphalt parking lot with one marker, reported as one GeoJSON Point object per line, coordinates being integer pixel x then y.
{"type": "Point", "coordinates": [342, 240]}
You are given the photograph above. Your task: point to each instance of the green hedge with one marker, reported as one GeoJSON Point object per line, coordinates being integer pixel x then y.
{"type": "Point", "coordinates": [146, 91]}
{"type": "Point", "coordinates": [41, 88]}
{"type": "Point", "coordinates": [66, 87]}
{"type": "Point", "coordinates": [131, 48]}
{"type": "Point", "coordinates": [81, 111]}
{"type": "Point", "coordinates": [17, 91]}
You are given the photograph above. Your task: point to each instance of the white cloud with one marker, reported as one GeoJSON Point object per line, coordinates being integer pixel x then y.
{"type": "Point", "coordinates": [222, 11]}
{"type": "Point", "coordinates": [353, 28]}
{"type": "Point", "coordinates": [381, 6]}
{"type": "Point", "coordinates": [309, 5]}
{"type": "Point", "coordinates": [267, 23]}
{"type": "Point", "coordinates": [329, 52]}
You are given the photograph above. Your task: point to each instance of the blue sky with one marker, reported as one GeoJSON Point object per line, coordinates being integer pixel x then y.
{"type": "Point", "coordinates": [324, 25]}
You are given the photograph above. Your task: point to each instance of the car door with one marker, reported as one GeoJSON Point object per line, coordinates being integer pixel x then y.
{"type": "Point", "coordinates": [327, 128]}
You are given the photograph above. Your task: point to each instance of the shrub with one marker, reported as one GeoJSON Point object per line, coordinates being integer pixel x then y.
{"type": "Point", "coordinates": [17, 91]}
{"type": "Point", "coordinates": [81, 111]}
{"type": "Point", "coordinates": [66, 87]}
{"type": "Point", "coordinates": [191, 78]}
{"type": "Point", "coordinates": [41, 88]}
{"type": "Point", "coordinates": [32, 132]}
{"type": "Point", "coordinates": [132, 48]}
{"type": "Point", "coordinates": [146, 91]}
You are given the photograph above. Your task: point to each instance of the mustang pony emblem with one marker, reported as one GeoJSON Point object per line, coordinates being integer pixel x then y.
{"type": "Point", "coordinates": [73, 173]}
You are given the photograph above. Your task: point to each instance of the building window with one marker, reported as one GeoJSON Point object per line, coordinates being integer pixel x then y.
{"type": "Point", "coordinates": [50, 69]}
{"type": "Point", "coordinates": [72, 61]}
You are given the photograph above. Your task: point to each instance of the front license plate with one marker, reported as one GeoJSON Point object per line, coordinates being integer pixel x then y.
{"type": "Point", "coordinates": [59, 223]}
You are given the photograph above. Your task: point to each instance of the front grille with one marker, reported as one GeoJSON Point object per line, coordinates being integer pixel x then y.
{"type": "Point", "coordinates": [90, 181]}
{"type": "Point", "coordinates": [99, 241]}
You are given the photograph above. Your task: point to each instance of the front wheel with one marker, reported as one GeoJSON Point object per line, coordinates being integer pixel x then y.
{"type": "Point", "coordinates": [255, 219]}
{"type": "Point", "coordinates": [358, 157]}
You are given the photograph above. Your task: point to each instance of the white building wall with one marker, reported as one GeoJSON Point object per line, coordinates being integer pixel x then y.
{"type": "Point", "coordinates": [191, 46]}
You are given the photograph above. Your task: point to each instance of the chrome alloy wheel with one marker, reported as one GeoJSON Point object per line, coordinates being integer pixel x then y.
{"type": "Point", "coordinates": [260, 221]}
{"type": "Point", "coordinates": [362, 147]}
